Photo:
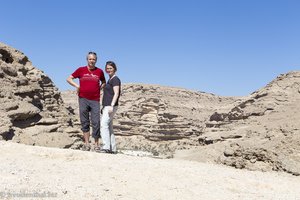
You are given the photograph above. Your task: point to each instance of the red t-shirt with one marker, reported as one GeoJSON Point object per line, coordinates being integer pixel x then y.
{"type": "Point", "coordinates": [89, 82]}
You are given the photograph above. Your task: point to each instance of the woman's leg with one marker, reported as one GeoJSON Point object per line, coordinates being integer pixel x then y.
{"type": "Point", "coordinates": [111, 131]}
{"type": "Point", "coordinates": [105, 135]}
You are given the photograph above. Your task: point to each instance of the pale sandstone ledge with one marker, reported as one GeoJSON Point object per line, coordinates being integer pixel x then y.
{"type": "Point", "coordinates": [72, 174]}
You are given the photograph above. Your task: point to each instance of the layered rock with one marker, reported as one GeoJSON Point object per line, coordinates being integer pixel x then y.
{"type": "Point", "coordinates": [257, 132]}
{"type": "Point", "coordinates": [260, 133]}
{"type": "Point", "coordinates": [32, 110]}
{"type": "Point", "coordinates": [160, 119]}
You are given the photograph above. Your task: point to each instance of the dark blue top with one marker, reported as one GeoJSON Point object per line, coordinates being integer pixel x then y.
{"type": "Point", "coordinates": [108, 91]}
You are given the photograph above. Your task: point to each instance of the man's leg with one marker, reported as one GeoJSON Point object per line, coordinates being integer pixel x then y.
{"type": "Point", "coordinates": [86, 136]}
{"type": "Point", "coordinates": [95, 117]}
{"type": "Point", "coordinates": [84, 119]}
{"type": "Point", "coordinates": [96, 142]}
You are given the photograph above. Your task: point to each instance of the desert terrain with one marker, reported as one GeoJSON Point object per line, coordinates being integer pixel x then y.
{"type": "Point", "coordinates": [173, 143]}
{"type": "Point", "coordinates": [73, 174]}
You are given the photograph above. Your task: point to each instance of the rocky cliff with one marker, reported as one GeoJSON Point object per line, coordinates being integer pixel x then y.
{"type": "Point", "coordinates": [32, 110]}
{"type": "Point", "coordinates": [160, 119]}
{"type": "Point", "coordinates": [260, 131]}
{"type": "Point", "coordinates": [257, 132]}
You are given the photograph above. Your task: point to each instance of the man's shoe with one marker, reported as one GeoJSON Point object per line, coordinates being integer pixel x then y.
{"type": "Point", "coordinates": [97, 149]}
{"type": "Point", "coordinates": [86, 147]}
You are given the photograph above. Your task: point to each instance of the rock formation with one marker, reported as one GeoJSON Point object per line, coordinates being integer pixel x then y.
{"type": "Point", "coordinates": [260, 133]}
{"type": "Point", "coordinates": [257, 132]}
{"type": "Point", "coordinates": [32, 110]}
{"type": "Point", "coordinates": [160, 119]}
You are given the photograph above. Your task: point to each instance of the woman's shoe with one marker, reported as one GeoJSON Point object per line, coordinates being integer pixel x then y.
{"type": "Point", "coordinates": [105, 151]}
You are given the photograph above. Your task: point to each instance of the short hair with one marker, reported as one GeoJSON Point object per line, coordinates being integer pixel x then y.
{"type": "Point", "coordinates": [91, 53]}
{"type": "Point", "coordinates": [111, 63]}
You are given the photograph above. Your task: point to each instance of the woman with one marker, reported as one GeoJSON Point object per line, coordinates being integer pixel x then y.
{"type": "Point", "coordinates": [110, 102]}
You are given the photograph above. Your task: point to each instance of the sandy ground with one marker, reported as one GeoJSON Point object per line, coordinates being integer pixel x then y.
{"type": "Point", "coordinates": [50, 173]}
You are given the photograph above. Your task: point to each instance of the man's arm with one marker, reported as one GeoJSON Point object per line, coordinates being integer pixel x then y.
{"type": "Point", "coordinates": [103, 82]}
{"type": "Point", "coordinates": [71, 82]}
{"type": "Point", "coordinates": [102, 85]}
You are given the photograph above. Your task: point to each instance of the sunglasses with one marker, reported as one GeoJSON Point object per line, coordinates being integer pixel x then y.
{"type": "Point", "coordinates": [91, 52]}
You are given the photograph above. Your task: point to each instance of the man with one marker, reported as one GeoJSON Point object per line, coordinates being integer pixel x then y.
{"type": "Point", "coordinates": [91, 80]}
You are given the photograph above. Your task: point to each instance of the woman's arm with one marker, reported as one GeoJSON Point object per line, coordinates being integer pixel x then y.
{"type": "Point", "coordinates": [116, 95]}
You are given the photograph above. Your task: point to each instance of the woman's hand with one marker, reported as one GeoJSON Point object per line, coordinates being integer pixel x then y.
{"type": "Point", "coordinates": [110, 109]}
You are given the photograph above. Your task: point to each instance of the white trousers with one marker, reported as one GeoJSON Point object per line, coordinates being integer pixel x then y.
{"type": "Point", "coordinates": [107, 132]}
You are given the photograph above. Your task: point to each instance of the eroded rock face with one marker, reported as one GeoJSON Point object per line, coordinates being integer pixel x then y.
{"type": "Point", "coordinates": [257, 132]}
{"type": "Point", "coordinates": [31, 106]}
{"type": "Point", "coordinates": [263, 131]}
{"type": "Point", "coordinates": [163, 119]}
{"type": "Point", "coordinates": [160, 119]}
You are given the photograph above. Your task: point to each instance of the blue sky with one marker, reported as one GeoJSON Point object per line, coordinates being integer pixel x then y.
{"type": "Point", "coordinates": [225, 47]}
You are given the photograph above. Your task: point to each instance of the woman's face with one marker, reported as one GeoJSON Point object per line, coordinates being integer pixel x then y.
{"type": "Point", "coordinates": [110, 70]}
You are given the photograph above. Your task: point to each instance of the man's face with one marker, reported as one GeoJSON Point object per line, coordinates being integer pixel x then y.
{"type": "Point", "coordinates": [91, 59]}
